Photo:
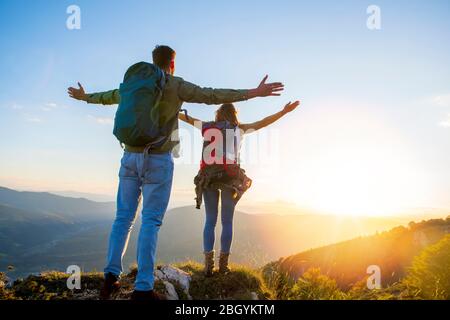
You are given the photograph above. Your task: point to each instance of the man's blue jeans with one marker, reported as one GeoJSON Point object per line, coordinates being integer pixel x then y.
{"type": "Point", "coordinates": [150, 175]}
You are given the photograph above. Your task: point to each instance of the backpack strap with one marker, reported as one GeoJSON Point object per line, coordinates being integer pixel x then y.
{"type": "Point", "coordinates": [185, 112]}
{"type": "Point", "coordinates": [147, 150]}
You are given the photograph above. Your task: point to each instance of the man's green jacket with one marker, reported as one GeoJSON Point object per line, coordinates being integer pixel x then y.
{"type": "Point", "coordinates": [176, 91]}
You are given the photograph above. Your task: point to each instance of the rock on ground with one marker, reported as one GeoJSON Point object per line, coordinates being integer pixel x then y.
{"type": "Point", "coordinates": [169, 274]}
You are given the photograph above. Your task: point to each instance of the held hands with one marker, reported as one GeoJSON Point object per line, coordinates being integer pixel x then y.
{"type": "Point", "coordinates": [78, 94]}
{"type": "Point", "coordinates": [291, 106]}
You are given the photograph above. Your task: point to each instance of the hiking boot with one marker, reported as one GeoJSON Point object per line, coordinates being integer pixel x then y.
{"type": "Point", "coordinates": [209, 263]}
{"type": "Point", "coordinates": [223, 263]}
{"type": "Point", "coordinates": [110, 286]}
{"type": "Point", "coordinates": [147, 295]}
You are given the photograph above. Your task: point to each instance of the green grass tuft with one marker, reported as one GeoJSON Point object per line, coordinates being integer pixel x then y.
{"type": "Point", "coordinates": [237, 285]}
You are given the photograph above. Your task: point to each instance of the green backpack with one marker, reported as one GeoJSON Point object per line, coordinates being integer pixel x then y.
{"type": "Point", "coordinates": [138, 120]}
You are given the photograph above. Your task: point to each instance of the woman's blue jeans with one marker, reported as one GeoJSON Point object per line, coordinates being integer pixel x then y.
{"type": "Point", "coordinates": [211, 200]}
{"type": "Point", "coordinates": [150, 176]}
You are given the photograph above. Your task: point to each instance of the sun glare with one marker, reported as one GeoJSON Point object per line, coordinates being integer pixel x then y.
{"type": "Point", "coordinates": [356, 181]}
{"type": "Point", "coordinates": [353, 185]}
{"type": "Point", "coordinates": [353, 164]}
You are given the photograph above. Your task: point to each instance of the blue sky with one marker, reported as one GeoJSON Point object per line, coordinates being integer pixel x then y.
{"type": "Point", "coordinates": [369, 96]}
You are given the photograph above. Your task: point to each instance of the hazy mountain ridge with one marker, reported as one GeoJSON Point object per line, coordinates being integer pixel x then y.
{"type": "Point", "coordinates": [22, 229]}
{"type": "Point", "coordinates": [76, 231]}
{"type": "Point", "coordinates": [347, 262]}
{"type": "Point", "coordinates": [75, 209]}
{"type": "Point", "coordinates": [334, 251]}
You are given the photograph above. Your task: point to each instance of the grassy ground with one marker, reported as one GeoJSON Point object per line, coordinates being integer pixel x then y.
{"type": "Point", "coordinates": [241, 283]}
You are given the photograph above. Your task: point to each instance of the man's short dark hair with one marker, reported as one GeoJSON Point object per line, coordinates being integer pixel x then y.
{"type": "Point", "coordinates": [162, 56]}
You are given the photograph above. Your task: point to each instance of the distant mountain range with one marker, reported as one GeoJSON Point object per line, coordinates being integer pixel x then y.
{"type": "Point", "coordinates": [90, 196]}
{"type": "Point", "coordinates": [41, 231]}
{"type": "Point", "coordinates": [74, 210]}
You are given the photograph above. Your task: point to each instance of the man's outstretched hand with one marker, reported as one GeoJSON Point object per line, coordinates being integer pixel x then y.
{"type": "Point", "coordinates": [78, 94]}
{"type": "Point", "coordinates": [291, 106]}
{"type": "Point", "coordinates": [266, 89]}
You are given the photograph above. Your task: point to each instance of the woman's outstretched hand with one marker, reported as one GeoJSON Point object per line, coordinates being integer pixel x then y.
{"type": "Point", "coordinates": [291, 106]}
{"type": "Point", "coordinates": [78, 94]}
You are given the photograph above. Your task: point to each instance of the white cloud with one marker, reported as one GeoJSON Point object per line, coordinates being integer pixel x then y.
{"type": "Point", "coordinates": [49, 106]}
{"type": "Point", "coordinates": [33, 119]}
{"type": "Point", "coordinates": [441, 100]}
{"type": "Point", "coordinates": [101, 120]}
{"type": "Point", "coordinates": [16, 106]}
{"type": "Point", "coordinates": [445, 123]}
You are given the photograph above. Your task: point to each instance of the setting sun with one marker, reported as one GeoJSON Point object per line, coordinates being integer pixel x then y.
{"type": "Point", "coordinates": [358, 163]}
{"type": "Point", "coordinates": [359, 183]}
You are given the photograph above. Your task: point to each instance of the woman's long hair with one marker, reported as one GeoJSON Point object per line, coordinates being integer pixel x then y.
{"type": "Point", "coordinates": [227, 112]}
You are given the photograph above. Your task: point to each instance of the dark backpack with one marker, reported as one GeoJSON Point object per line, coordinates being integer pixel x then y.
{"type": "Point", "coordinates": [138, 120]}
